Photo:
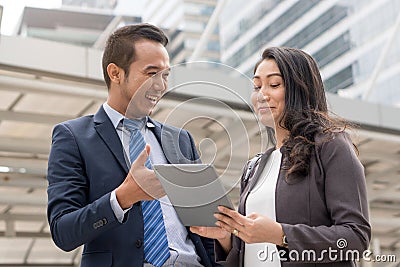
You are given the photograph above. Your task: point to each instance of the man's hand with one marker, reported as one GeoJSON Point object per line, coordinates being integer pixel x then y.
{"type": "Point", "coordinates": [211, 232]}
{"type": "Point", "coordinates": [140, 183]}
{"type": "Point", "coordinates": [218, 233]}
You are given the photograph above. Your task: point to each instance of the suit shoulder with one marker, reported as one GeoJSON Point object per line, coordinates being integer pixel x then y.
{"type": "Point", "coordinates": [173, 128]}
{"type": "Point", "coordinates": [335, 138]}
{"type": "Point", "coordinates": [77, 123]}
{"type": "Point", "coordinates": [337, 142]}
{"type": "Point", "coordinates": [168, 127]}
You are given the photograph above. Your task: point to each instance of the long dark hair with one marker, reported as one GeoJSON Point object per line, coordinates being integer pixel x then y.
{"type": "Point", "coordinates": [306, 111]}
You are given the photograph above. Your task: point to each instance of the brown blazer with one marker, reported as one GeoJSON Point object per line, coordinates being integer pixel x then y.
{"type": "Point", "coordinates": [316, 211]}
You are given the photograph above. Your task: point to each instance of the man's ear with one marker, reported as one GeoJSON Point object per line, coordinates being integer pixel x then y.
{"type": "Point", "coordinates": [115, 73]}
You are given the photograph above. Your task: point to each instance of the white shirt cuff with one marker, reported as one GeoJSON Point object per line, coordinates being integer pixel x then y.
{"type": "Point", "coordinates": [118, 211]}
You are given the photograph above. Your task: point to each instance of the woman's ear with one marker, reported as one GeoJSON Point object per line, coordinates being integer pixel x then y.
{"type": "Point", "coordinates": [115, 73]}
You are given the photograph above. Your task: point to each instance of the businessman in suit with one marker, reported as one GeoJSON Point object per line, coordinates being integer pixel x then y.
{"type": "Point", "coordinates": [96, 196]}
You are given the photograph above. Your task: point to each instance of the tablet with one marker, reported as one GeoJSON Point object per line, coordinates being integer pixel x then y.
{"type": "Point", "coordinates": [195, 191]}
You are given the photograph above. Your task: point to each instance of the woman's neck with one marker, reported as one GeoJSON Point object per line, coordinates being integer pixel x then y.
{"type": "Point", "coordinates": [281, 134]}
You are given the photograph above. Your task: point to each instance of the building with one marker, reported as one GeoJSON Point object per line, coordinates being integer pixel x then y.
{"type": "Point", "coordinates": [88, 27]}
{"type": "Point", "coordinates": [1, 14]}
{"type": "Point", "coordinates": [353, 41]}
{"type": "Point", "coordinates": [98, 4]}
{"type": "Point", "coordinates": [184, 22]}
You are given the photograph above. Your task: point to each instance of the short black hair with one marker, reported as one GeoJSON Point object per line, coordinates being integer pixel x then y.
{"type": "Point", "coordinates": [120, 48]}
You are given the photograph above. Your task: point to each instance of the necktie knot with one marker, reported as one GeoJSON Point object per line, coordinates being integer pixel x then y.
{"type": "Point", "coordinates": [132, 125]}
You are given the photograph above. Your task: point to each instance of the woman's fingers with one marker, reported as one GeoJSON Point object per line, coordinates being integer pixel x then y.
{"type": "Point", "coordinates": [233, 218]}
{"type": "Point", "coordinates": [225, 226]}
{"type": "Point", "coordinates": [237, 232]}
{"type": "Point", "coordinates": [233, 214]}
{"type": "Point", "coordinates": [229, 224]}
{"type": "Point", "coordinates": [239, 225]}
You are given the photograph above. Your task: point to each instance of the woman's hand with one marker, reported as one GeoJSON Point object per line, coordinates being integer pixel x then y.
{"type": "Point", "coordinates": [253, 228]}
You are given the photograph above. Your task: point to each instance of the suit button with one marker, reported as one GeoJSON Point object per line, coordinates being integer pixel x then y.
{"type": "Point", "coordinates": [139, 243]}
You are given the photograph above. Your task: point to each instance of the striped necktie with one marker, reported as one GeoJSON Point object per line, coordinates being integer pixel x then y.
{"type": "Point", "coordinates": [156, 249]}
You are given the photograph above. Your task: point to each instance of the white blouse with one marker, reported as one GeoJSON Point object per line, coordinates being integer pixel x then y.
{"type": "Point", "coordinates": [261, 200]}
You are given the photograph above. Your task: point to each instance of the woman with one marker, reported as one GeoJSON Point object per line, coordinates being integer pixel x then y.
{"type": "Point", "coordinates": [305, 202]}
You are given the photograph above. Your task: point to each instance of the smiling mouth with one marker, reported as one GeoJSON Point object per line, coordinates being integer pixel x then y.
{"type": "Point", "coordinates": [152, 98]}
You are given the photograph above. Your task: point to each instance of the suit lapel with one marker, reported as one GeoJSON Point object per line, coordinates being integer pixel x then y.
{"type": "Point", "coordinates": [253, 180]}
{"type": "Point", "coordinates": [260, 168]}
{"type": "Point", "coordinates": [107, 133]}
{"type": "Point", "coordinates": [168, 142]}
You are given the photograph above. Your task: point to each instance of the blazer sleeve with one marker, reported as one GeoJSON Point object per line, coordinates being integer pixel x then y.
{"type": "Point", "coordinates": [73, 220]}
{"type": "Point", "coordinates": [346, 203]}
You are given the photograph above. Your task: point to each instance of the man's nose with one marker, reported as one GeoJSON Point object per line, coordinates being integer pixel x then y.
{"type": "Point", "coordinates": [158, 83]}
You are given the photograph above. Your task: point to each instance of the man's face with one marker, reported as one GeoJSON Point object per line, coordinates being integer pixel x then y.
{"type": "Point", "coordinates": [147, 78]}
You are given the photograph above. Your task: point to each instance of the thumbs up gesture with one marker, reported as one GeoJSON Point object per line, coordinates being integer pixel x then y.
{"type": "Point", "coordinates": [141, 183]}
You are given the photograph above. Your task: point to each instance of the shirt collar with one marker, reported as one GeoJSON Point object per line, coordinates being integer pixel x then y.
{"type": "Point", "coordinates": [116, 117]}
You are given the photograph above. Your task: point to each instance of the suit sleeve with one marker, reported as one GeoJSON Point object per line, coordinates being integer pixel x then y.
{"type": "Point", "coordinates": [346, 203]}
{"type": "Point", "coordinates": [73, 220]}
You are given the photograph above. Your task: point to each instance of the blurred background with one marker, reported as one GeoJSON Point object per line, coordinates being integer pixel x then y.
{"type": "Point", "coordinates": [50, 71]}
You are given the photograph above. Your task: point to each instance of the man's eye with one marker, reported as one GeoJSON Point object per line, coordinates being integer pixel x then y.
{"type": "Point", "coordinates": [152, 73]}
{"type": "Point", "coordinates": [256, 88]}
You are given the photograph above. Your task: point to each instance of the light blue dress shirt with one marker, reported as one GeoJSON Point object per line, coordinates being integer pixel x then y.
{"type": "Point", "coordinates": [183, 252]}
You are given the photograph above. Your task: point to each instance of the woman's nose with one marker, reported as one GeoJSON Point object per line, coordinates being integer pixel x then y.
{"type": "Point", "coordinates": [262, 97]}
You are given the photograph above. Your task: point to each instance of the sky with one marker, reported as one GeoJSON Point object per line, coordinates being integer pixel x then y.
{"type": "Point", "coordinates": [12, 10]}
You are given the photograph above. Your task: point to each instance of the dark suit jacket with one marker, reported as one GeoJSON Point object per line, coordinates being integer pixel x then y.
{"type": "Point", "coordinates": [317, 210]}
{"type": "Point", "coordinates": [86, 163]}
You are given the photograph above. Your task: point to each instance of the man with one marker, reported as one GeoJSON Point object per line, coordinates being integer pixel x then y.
{"type": "Point", "coordinates": [93, 198]}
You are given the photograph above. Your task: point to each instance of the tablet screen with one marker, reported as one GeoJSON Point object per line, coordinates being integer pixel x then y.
{"type": "Point", "coordinates": [195, 190]}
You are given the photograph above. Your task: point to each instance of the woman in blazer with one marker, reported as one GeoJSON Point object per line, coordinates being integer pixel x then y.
{"type": "Point", "coordinates": [303, 202]}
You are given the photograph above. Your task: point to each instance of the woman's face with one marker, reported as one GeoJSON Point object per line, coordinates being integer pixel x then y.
{"type": "Point", "coordinates": [268, 97]}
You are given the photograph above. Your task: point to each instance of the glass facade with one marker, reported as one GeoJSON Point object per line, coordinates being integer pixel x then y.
{"type": "Point", "coordinates": [354, 42]}
{"type": "Point", "coordinates": [190, 18]}
{"type": "Point", "coordinates": [342, 79]}
{"type": "Point", "coordinates": [333, 50]}
{"type": "Point", "coordinates": [257, 12]}
{"type": "Point", "coordinates": [271, 31]}
{"type": "Point", "coordinates": [317, 27]}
